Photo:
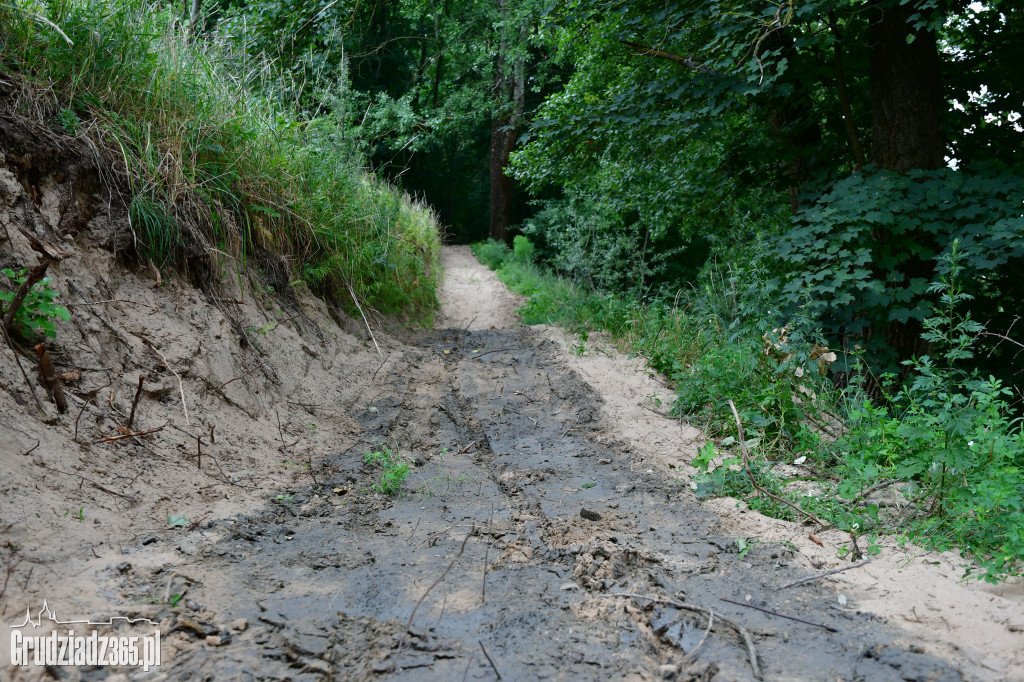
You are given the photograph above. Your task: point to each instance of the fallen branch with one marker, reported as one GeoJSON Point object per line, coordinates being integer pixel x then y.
{"type": "Point", "coordinates": [780, 615]}
{"type": "Point", "coordinates": [408, 624]}
{"type": "Point", "coordinates": [111, 439]}
{"type": "Point", "coordinates": [90, 481]}
{"type": "Point", "coordinates": [812, 578]}
{"type": "Point", "coordinates": [753, 481]}
{"type": "Point", "coordinates": [691, 652]}
{"type": "Point", "coordinates": [181, 387]}
{"type": "Point", "coordinates": [135, 402]}
{"type": "Point", "coordinates": [740, 630]}
{"type": "Point", "coordinates": [493, 667]}
{"type": "Point", "coordinates": [91, 398]}
{"type": "Point", "coordinates": [496, 350]}
{"type": "Point", "coordinates": [17, 360]}
{"type": "Point", "coordinates": [365, 321]}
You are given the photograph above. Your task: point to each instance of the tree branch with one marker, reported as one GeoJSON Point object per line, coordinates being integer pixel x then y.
{"type": "Point", "coordinates": [657, 53]}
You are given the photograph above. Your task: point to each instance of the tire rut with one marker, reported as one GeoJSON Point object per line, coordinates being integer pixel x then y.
{"type": "Point", "coordinates": [533, 528]}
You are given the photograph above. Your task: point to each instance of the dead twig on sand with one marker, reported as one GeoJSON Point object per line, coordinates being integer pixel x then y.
{"type": "Point", "coordinates": [812, 578]}
{"type": "Point", "coordinates": [135, 402]}
{"type": "Point", "coordinates": [365, 321]}
{"type": "Point", "coordinates": [496, 350]}
{"type": "Point", "coordinates": [493, 667]}
{"type": "Point", "coordinates": [181, 387]}
{"type": "Point", "coordinates": [51, 380]}
{"type": "Point", "coordinates": [90, 397]}
{"type": "Point", "coordinates": [408, 624]}
{"type": "Point", "coordinates": [740, 630]}
{"type": "Point", "coordinates": [707, 631]}
{"type": "Point", "coordinates": [111, 439]}
{"type": "Point", "coordinates": [780, 615]}
{"type": "Point", "coordinates": [750, 474]}
{"type": "Point", "coordinates": [90, 481]}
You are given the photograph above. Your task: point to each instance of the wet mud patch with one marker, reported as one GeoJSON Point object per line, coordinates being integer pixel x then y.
{"type": "Point", "coordinates": [518, 524]}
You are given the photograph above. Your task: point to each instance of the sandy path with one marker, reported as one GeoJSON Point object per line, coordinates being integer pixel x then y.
{"type": "Point", "coordinates": [976, 625]}
{"type": "Point", "coordinates": [472, 297]}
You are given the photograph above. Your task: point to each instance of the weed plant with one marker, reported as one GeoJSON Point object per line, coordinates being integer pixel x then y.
{"type": "Point", "coordinates": [395, 470]}
{"type": "Point", "coordinates": [211, 165]}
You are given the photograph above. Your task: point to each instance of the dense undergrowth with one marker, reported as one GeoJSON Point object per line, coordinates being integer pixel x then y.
{"type": "Point", "coordinates": [940, 458]}
{"type": "Point", "coordinates": [217, 173]}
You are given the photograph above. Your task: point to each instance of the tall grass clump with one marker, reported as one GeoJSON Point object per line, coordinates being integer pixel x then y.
{"type": "Point", "coordinates": [210, 164]}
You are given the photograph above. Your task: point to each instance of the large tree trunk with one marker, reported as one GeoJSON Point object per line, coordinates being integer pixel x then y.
{"type": "Point", "coordinates": [906, 93]}
{"type": "Point", "coordinates": [906, 104]}
{"type": "Point", "coordinates": [510, 92]}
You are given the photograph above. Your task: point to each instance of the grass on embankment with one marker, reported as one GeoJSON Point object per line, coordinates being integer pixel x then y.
{"type": "Point", "coordinates": [947, 442]}
{"type": "Point", "coordinates": [211, 167]}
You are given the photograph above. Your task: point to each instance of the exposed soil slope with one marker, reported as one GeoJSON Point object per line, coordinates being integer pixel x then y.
{"type": "Point", "coordinates": [529, 504]}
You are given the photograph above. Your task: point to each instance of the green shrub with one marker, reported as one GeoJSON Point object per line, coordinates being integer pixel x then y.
{"type": "Point", "coordinates": [492, 253]}
{"type": "Point", "coordinates": [522, 249]}
{"type": "Point", "coordinates": [395, 470]}
{"type": "Point", "coordinates": [37, 310]}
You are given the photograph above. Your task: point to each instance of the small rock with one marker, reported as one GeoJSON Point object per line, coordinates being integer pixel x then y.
{"type": "Point", "coordinates": [604, 461]}
{"type": "Point", "coordinates": [569, 586]}
{"type": "Point", "coordinates": [213, 640]}
{"type": "Point", "coordinates": [613, 505]}
{"type": "Point", "coordinates": [590, 515]}
{"type": "Point", "coordinates": [916, 649]}
{"type": "Point", "coordinates": [668, 671]}
{"type": "Point", "coordinates": [239, 625]}
{"type": "Point", "coordinates": [1016, 627]}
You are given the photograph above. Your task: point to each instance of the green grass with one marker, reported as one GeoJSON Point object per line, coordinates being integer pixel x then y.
{"type": "Point", "coordinates": [214, 168]}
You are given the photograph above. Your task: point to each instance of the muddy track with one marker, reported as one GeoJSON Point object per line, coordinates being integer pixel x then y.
{"type": "Point", "coordinates": [327, 579]}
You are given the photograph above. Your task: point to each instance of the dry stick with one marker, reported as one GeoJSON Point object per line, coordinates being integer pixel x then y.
{"type": "Point", "coordinates": [91, 398]}
{"type": "Point", "coordinates": [707, 631]}
{"type": "Point", "coordinates": [746, 465]}
{"type": "Point", "coordinates": [780, 615]}
{"type": "Point", "coordinates": [487, 552]}
{"type": "Point", "coordinates": [110, 439]}
{"type": "Point", "coordinates": [254, 368]}
{"type": "Point", "coordinates": [374, 377]}
{"type": "Point", "coordinates": [111, 300]}
{"type": "Point", "coordinates": [464, 675]}
{"type": "Point", "coordinates": [199, 451]}
{"type": "Point", "coordinates": [740, 630]}
{"type": "Point", "coordinates": [87, 480]}
{"type": "Point", "coordinates": [365, 321]}
{"type": "Point", "coordinates": [812, 578]}
{"type": "Point", "coordinates": [408, 624]}
{"type": "Point", "coordinates": [35, 273]}
{"type": "Point", "coordinates": [31, 387]}
{"type": "Point", "coordinates": [493, 667]}
{"type": "Point", "coordinates": [135, 402]}
{"type": "Point", "coordinates": [181, 387]}
{"type": "Point", "coordinates": [496, 350]}
{"type": "Point", "coordinates": [465, 450]}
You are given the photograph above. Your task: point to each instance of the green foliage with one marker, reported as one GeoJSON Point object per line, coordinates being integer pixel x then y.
{"type": "Point", "coordinates": [395, 470]}
{"type": "Point", "coordinates": [218, 167]}
{"type": "Point", "coordinates": [37, 310]}
{"type": "Point", "coordinates": [949, 436]}
{"type": "Point", "coordinates": [522, 249]}
{"type": "Point", "coordinates": [492, 253]}
{"type": "Point", "coordinates": [858, 284]}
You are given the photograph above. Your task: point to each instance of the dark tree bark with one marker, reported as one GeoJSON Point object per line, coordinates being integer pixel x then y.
{"type": "Point", "coordinates": [510, 91]}
{"type": "Point", "coordinates": [906, 106]}
{"type": "Point", "coordinates": [906, 93]}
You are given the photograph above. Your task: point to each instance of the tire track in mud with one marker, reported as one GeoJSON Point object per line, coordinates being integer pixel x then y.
{"type": "Point", "coordinates": [326, 582]}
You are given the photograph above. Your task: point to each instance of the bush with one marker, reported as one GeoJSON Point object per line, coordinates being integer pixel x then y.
{"type": "Point", "coordinates": [522, 249]}
{"type": "Point", "coordinates": [492, 253]}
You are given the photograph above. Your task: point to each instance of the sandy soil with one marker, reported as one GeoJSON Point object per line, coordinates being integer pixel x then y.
{"type": "Point", "coordinates": [978, 625]}
{"type": "Point", "coordinates": [290, 565]}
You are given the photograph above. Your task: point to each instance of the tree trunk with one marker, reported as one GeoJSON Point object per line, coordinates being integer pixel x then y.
{"type": "Point", "coordinates": [906, 106]}
{"type": "Point", "coordinates": [906, 93]}
{"type": "Point", "coordinates": [510, 92]}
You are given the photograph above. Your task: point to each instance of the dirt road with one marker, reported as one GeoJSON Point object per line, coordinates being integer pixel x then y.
{"type": "Point", "coordinates": [503, 553]}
